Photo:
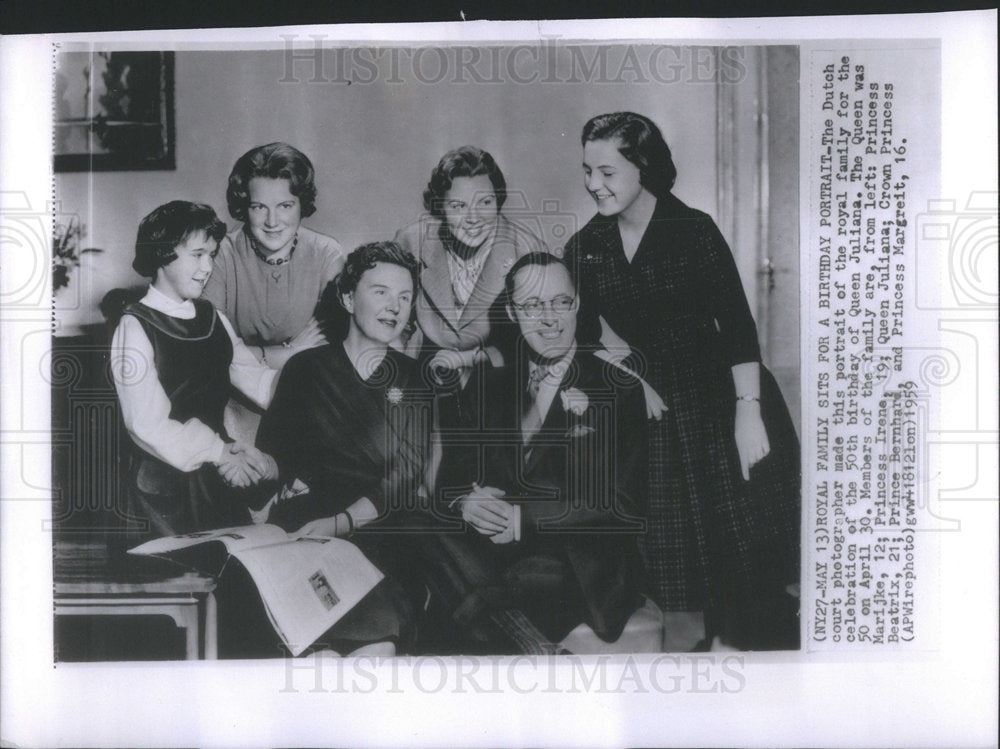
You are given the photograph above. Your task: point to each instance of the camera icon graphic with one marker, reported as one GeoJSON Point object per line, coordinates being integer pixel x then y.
{"type": "Point", "coordinates": [956, 254]}
{"type": "Point", "coordinates": [549, 221]}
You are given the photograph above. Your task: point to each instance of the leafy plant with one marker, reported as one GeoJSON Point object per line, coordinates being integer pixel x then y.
{"type": "Point", "coordinates": [66, 251]}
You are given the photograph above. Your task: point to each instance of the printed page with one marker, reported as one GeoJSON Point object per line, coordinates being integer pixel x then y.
{"type": "Point", "coordinates": [235, 539]}
{"type": "Point", "coordinates": [308, 584]}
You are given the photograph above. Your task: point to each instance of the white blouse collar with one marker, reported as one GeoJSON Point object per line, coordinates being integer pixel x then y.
{"type": "Point", "coordinates": [159, 301]}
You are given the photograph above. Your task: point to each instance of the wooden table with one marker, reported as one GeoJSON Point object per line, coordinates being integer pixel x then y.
{"type": "Point", "coordinates": [88, 581]}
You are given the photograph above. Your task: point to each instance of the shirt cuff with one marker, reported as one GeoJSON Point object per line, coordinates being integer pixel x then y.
{"type": "Point", "coordinates": [217, 452]}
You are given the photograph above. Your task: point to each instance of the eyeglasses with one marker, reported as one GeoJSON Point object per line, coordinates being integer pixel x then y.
{"type": "Point", "coordinates": [533, 307]}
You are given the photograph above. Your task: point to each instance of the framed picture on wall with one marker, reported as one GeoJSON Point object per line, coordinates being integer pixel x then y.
{"type": "Point", "coordinates": [114, 111]}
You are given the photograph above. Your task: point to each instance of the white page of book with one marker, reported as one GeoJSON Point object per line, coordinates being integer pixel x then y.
{"type": "Point", "coordinates": [308, 584]}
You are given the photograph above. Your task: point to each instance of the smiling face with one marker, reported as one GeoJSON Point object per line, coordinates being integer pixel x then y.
{"type": "Point", "coordinates": [470, 209]}
{"type": "Point", "coordinates": [273, 214]}
{"type": "Point", "coordinates": [185, 277]}
{"type": "Point", "coordinates": [610, 178]}
{"type": "Point", "coordinates": [380, 305]}
{"type": "Point", "coordinates": [540, 292]}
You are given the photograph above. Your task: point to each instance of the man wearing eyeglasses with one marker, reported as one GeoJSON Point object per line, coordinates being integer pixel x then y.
{"type": "Point", "coordinates": [553, 497]}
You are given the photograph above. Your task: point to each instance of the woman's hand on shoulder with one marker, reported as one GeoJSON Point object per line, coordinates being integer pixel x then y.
{"type": "Point", "coordinates": [447, 359]}
{"type": "Point", "coordinates": [311, 336]}
{"type": "Point", "coordinates": [655, 405]}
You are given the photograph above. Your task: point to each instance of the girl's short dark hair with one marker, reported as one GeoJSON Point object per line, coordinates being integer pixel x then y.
{"type": "Point", "coordinates": [273, 161]}
{"type": "Point", "coordinates": [168, 227]}
{"type": "Point", "coordinates": [641, 142]}
{"type": "Point", "coordinates": [467, 161]}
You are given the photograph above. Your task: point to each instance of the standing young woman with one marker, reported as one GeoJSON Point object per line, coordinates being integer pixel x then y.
{"type": "Point", "coordinates": [270, 272]}
{"type": "Point", "coordinates": [723, 525]}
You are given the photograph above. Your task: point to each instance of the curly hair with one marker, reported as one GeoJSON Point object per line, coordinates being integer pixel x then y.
{"type": "Point", "coordinates": [169, 226]}
{"type": "Point", "coordinates": [330, 312]}
{"type": "Point", "coordinates": [466, 161]}
{"type": "Point", "coordinates": [641, 142]}
{"type": "Point", "coordinates": [273, 161]}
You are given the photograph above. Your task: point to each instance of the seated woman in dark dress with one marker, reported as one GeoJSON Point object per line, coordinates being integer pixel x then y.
{"type": "Point", "coordinates": [347, 422]}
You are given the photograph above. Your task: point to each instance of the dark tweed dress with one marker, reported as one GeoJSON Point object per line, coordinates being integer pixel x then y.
{"type": "Point", "coordinates": [714, 542]}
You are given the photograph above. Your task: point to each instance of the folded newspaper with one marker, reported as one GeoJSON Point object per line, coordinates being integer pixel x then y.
{"type": "Point", "coordinates": [307, 583]}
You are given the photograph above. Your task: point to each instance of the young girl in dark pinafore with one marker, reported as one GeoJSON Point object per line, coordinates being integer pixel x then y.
{"type": "Point", "coordinates": [173, 359]}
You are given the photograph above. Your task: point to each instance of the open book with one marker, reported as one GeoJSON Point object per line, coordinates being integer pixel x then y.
{"type": "Point", "coordinates": [307, 583]}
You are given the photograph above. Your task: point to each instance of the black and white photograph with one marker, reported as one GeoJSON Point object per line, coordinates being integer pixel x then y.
{"type": "Point", "coordinates": [508, 328]}
{"type": "Point", "coordinates": [565, 375]}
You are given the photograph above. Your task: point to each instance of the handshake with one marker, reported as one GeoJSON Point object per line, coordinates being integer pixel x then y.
{"type": "Point", "coordinates": [243, 465]}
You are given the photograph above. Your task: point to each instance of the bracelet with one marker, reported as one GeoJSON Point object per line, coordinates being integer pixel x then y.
{"type": "Point", "coordinates": [748, 398]}
{"type": "Point", "coordinates": [350, 523]}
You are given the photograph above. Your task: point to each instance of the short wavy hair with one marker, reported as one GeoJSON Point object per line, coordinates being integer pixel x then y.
{"type": "Point", "coordinates": [330, 312]}
{"type": "Point", "coordinates": [466, 161]}
{"type": "Point", "coordinates": [273, 161]}
{"type": "Point", "coordinates": [533, 259]}
{"type": "Point", "coordinates": [168, 227]}
{"type": "Point", "coordinates": [364, 258]}
{"type": "Point", "coordinates": [641, 142]}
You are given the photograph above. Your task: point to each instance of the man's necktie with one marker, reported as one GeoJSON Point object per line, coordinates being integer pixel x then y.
{"type": "Point", "coordinates": [535, 381]}
{"type": "Point", "coordinates": [532, 420]}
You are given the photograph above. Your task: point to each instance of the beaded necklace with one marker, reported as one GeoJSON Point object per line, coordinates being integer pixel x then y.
{"type": "Point", "coordinates": [275, 261]}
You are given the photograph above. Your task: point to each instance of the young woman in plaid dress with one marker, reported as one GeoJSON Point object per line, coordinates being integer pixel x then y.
{"type": "Point", "coordinates": [723, 529]}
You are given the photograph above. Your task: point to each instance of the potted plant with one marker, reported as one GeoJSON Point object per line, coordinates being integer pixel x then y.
{"type": "Point", "coordinates": [66, 251]}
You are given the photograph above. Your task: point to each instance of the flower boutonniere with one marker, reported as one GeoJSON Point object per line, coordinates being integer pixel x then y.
{"type": "Point", "coordinates": [574, 401]}
{"type": "Point", "coordinates": [394, 395]}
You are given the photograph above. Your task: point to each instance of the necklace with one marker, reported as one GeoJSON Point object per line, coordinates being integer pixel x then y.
{"type": "Point", "coordinates": [275, 261]}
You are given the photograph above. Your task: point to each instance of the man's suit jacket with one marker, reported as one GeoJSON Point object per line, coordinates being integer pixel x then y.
{"type": "Point", "coordinates": [580, 481]}
{"type": "Point", "coordinates": [440, 322]}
